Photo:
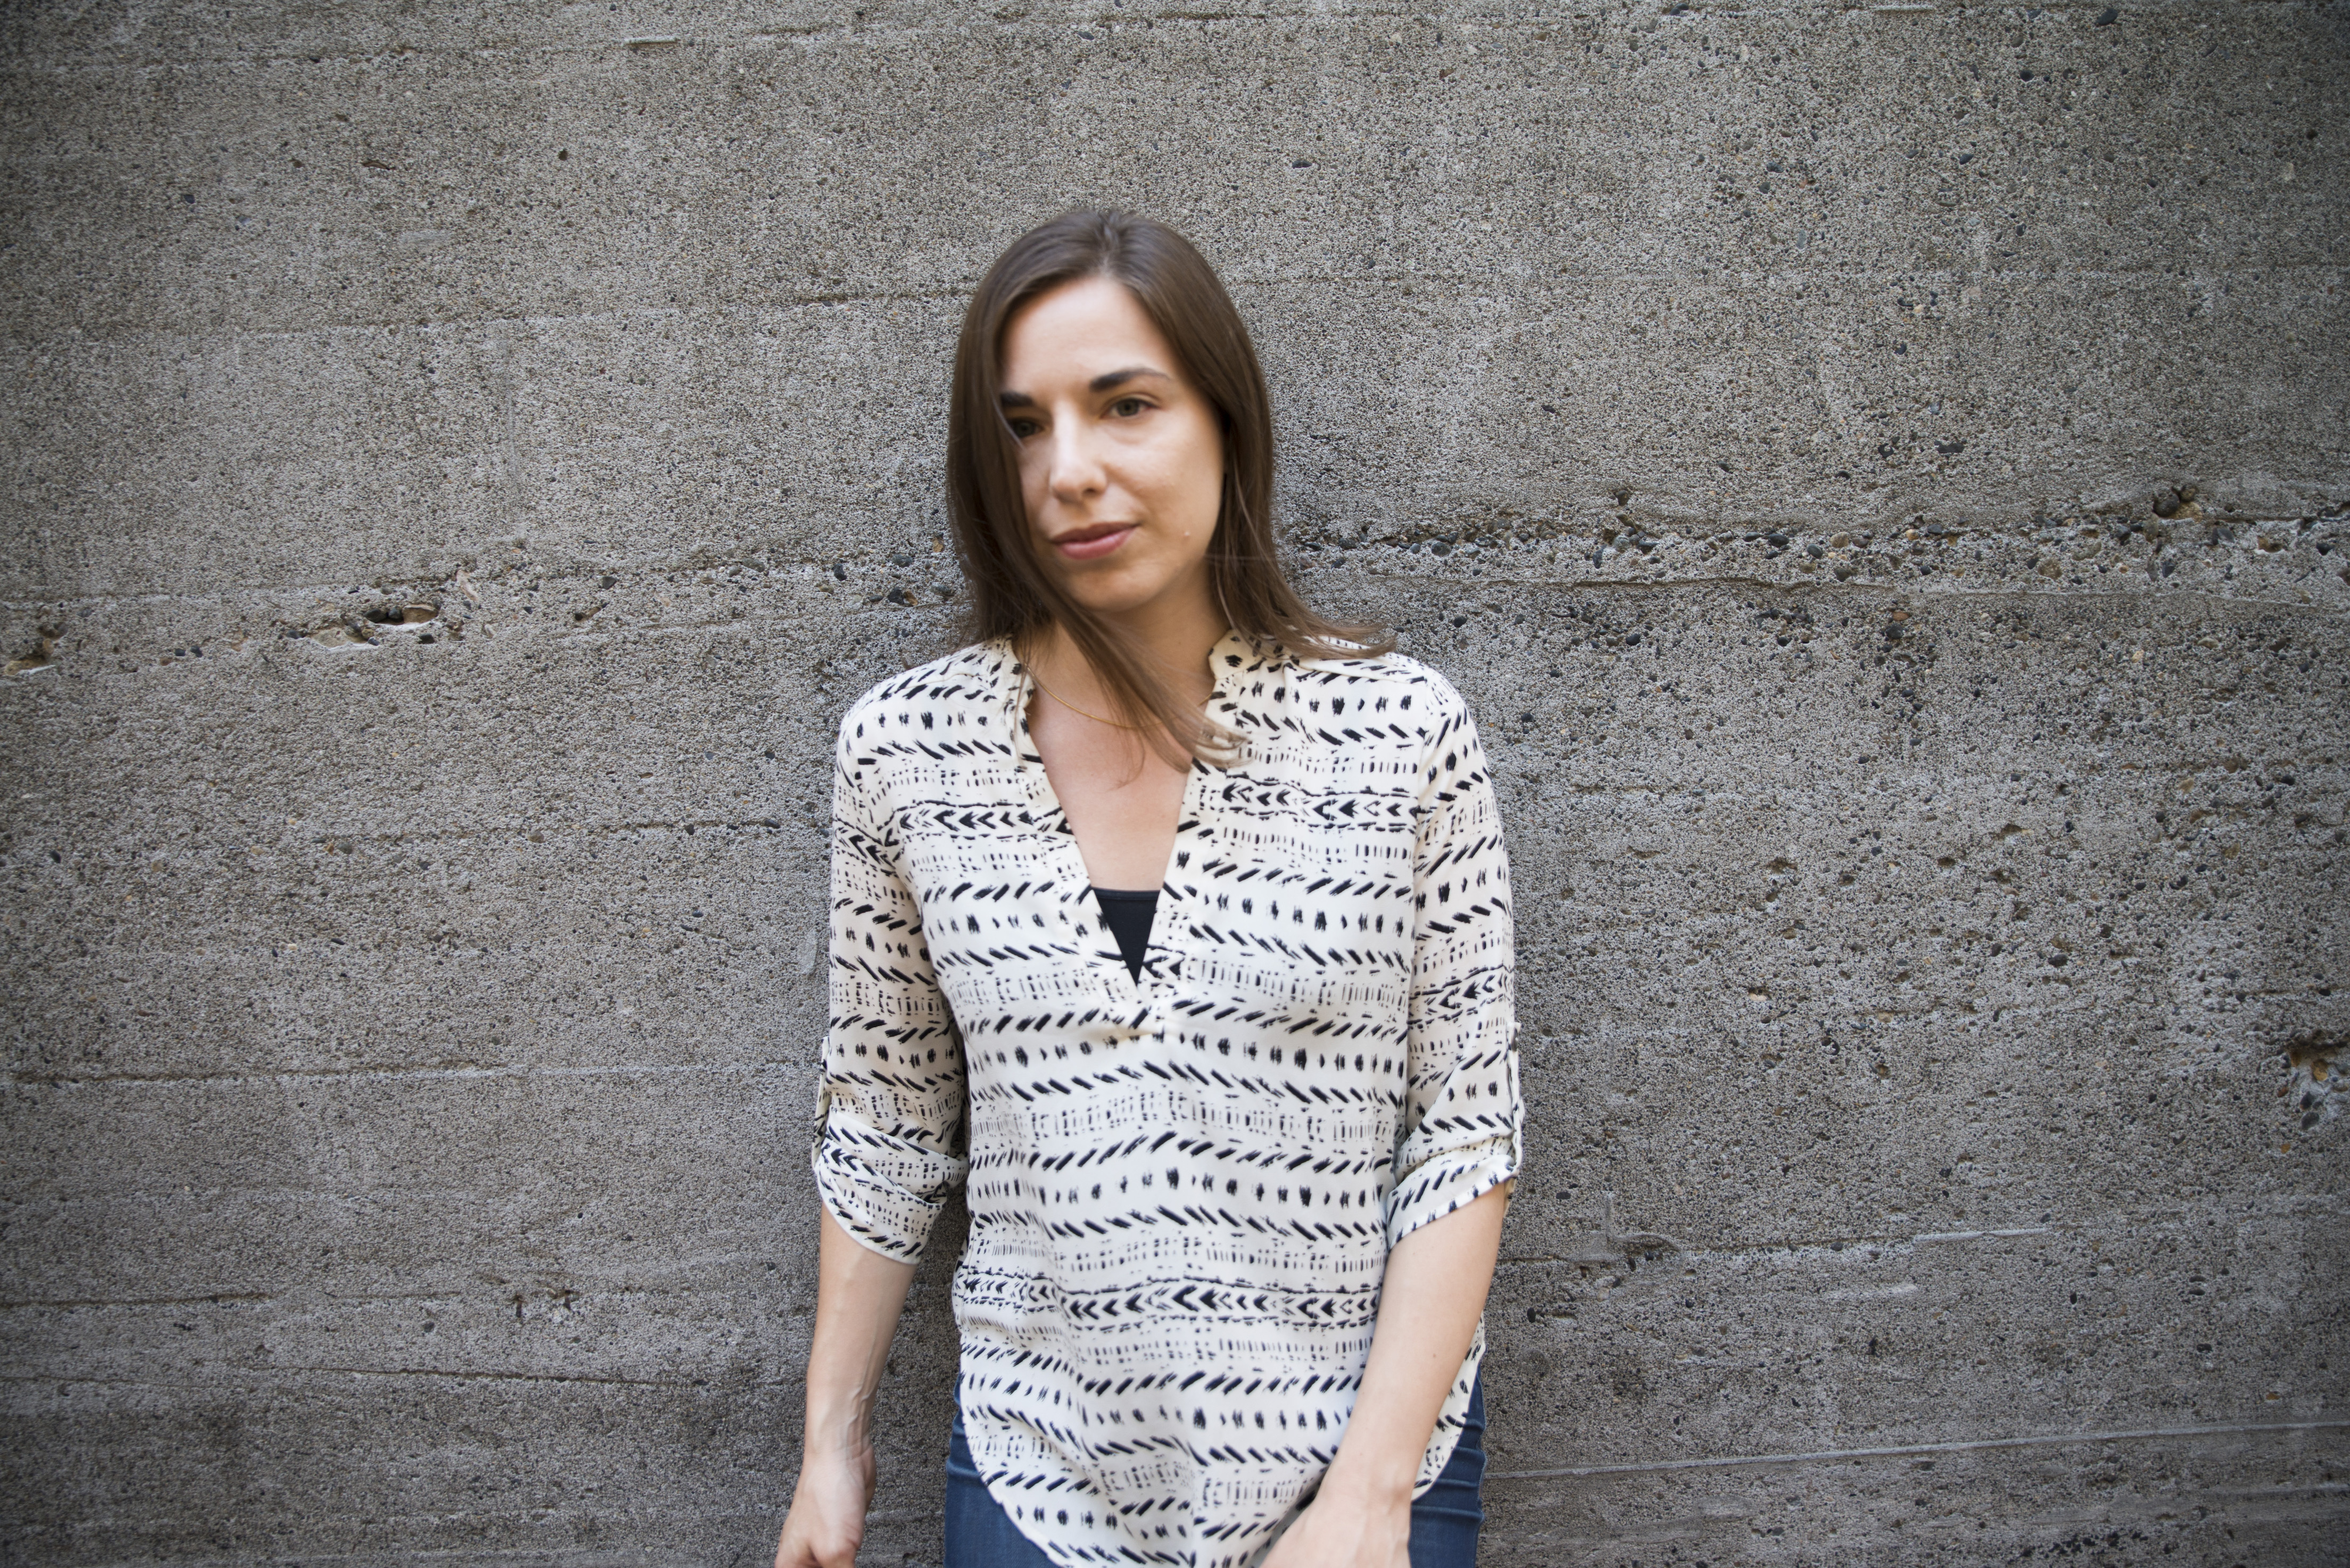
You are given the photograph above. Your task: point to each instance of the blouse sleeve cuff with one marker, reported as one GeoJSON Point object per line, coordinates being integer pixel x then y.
{"type": "Point", "coordinates": [855, 1164]}
{"type": "Point", "coordinates": [1450, 1180]}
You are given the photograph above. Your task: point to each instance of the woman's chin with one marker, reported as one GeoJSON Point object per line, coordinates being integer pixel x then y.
{"type": "Point", "coordinates": [1119, 590]}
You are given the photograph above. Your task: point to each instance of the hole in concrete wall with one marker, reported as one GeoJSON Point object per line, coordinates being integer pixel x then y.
{"type": "Point", "coordinates": [2313, 1062]}
{"type": "Point", "coordinates": [410, 613]}
{"type": "Point", "coordinates": [356, 626]}
{"type": "Point", "coordinates": [42, 656]}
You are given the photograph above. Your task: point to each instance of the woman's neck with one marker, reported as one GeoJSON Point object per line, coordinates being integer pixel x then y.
{"type": "Point", "coordinates": [1177, 637]}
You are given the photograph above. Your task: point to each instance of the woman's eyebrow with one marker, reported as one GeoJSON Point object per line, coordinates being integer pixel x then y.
{"type": "Point", "coordinates": [1109, 378]}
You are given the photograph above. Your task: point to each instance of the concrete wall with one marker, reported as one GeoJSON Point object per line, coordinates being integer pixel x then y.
{"type": "Point", "coordinates": [1879, 470]}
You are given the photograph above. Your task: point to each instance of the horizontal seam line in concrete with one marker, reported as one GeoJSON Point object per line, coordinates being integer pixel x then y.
{"type": "Point", "coordinates": [1923, 588]}
{"type": "Point", "coordinates": [214, 597]}
{"type": "Point", "coordinates": [777, 578]}
{"type": "Point", "coordinates": [396, 1372]}
{"type": "Point", "coordinates": [1419, 40]}
{"type": "Point", "coordinates": [492, 324]}
{"type": "Point", "coordinates": [507, 834]}
{"type": "Point", "coordinates": [328, 1299]}
{"type": "Point", "coordinates": [374, 326]}
{"type": "Point", "coordinates": [1831, 1455]}
{"type": "Point", "coordinates": [340, 1075]}
{"type": "Point", "coordinates": [223, 1296]}
{"type": "Point", "coordinates": [620, 45]}
{"type": "Point", "coordinates": [520, 1556]}
{"type": "Point", "coordinates": [960, 292]}
{"type": "Point", "coordinates": [1645, 1240]}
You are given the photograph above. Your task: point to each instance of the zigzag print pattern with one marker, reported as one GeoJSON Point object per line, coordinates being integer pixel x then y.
{"type": "Point", "coordinates": [1182, 1190]}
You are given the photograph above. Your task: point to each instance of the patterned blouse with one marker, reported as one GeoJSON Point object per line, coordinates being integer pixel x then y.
{"type": "Point", "coordinates": [1182, 1189]}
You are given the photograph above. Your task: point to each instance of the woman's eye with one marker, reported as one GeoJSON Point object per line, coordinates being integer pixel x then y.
{"type": "Point", "coordinates": [1023, 429]}
{"type": "Point", "coordinates": [1126, 408]}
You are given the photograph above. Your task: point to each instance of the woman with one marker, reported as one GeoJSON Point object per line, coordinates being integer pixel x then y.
{"type": "Point", "coordinates": [1177, 919]}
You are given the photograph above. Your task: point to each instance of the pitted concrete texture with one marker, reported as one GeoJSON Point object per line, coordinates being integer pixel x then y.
{"type": "Point", "coordinates": [1881, 472]}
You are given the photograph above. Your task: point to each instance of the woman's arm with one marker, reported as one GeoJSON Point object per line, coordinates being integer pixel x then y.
{"type": "Point", "coordinates": [858, 1295]}
{"type": "Point", "coordinates": [889, 1147]}
{"type": "Point", "coordinates": [1429, 1306]}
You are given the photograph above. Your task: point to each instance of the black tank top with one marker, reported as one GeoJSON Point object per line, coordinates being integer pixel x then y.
{"type": "Point", "coordinates": [1129, 916]}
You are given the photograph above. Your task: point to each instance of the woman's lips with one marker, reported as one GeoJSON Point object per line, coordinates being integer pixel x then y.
{"type": "Point", "coordinates": [1091, 544]}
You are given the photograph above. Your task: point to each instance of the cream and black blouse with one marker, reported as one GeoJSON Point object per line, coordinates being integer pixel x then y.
{"type": "Point", "coordinates": [1182, 1189]}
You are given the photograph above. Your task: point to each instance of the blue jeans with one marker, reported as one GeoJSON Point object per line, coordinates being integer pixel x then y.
{"type": "Point", "coordinates": [1444, 1519]}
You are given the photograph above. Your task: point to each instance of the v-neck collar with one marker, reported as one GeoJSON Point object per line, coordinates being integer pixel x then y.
{"type": "Point", "coordinates": [1230, 658]}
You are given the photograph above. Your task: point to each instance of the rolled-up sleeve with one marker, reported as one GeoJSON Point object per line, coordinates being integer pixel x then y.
{"type": "Point", "coordinates": [890, 1134]}
{"type": "Point", "coordinates": [1464, 1117]}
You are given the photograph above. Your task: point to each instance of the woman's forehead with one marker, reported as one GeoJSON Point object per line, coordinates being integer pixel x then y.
{"type": "Point", "coordinates": [1081, 329]}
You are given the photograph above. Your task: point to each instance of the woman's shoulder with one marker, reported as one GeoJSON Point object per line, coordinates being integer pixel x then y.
{"type": "Point", "coordinates": [972, 676]}
{"type": "Point", "coordinates": [1410, 688]}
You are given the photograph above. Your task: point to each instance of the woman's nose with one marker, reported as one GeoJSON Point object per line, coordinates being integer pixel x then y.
{"type": "Point", "coordinates": [1076, 470]}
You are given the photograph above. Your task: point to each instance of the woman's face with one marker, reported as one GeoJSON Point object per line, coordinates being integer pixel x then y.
{"type": "Point", "coordinates": [1121, 458]}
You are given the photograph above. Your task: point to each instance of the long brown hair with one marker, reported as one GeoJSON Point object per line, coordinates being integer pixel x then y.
{"type": "Point", "coordinates": [1011, 593]}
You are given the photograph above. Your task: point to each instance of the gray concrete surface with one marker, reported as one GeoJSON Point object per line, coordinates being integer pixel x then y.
{"type": "Point", "coordinates": [1879, 470]}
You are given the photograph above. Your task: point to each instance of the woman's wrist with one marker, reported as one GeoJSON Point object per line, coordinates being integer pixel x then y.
{"type": "Point", "coordinates": [835, 1432]}
{"type": "Point", "coordinates": [1371, 1482]}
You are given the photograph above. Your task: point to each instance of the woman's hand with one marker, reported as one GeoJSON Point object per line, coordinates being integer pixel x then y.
{"type": "Point", "coordinates": [826, 1523]}
{"type": "Point", "coordinates": [859, 1294]}
{"type": "Point", "coordinates": [1343, 1528]}
{"type": "Point", "coordinates": [1429, 1303]}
